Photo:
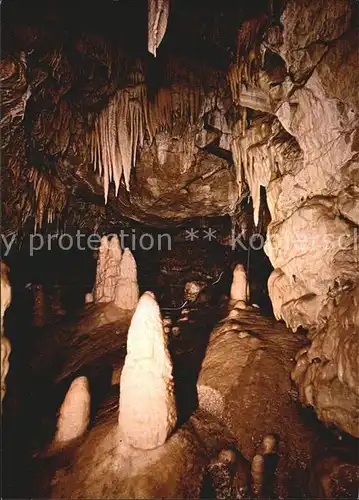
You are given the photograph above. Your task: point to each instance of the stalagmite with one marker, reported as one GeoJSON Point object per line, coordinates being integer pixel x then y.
{"type": "Point", "coordinates": [74, 413]}
{"type": "Point", "coordinates": [127, 292]}
{"type": "Point", "coordinates": [147, 412]}
{"type": "Point", "coordinates": [116, 276]}
{"type": "Point", "coordinates": [158, 11]}
{"type": "Point", "coordinates": [88, 298]}
{"type": "Point", "coordinates": [99, 288]}
{"type": "Point", "coordinates": [5, 344]}
{"type": "Point", "coordinates": [239, 288]}
{"type": "Point", "coordinates": [113, 269]}
{"type": "Point", "coordinates": [108, 270]}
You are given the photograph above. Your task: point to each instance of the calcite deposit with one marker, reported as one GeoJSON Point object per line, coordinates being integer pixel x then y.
{"type": "Point", "coordinates": [147, 411]}
{"type": "Point", "coordinates": [74, 416]}
{"type": "Point", "coordinates": [5, 343]}
{"type": "Point", "coordinates": [116, 275]}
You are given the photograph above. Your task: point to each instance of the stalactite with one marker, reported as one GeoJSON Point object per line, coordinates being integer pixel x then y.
{"type": "Point", "coordinates": [245, 71]}
{"type": "Point", "coordinates": [130, 118]}
{"type": "Point", "coordinates": [257, 153]}
{"type": "Point", "coordinates": [158, 11]}
{"type": "Point", "coordinates": [48, 196]}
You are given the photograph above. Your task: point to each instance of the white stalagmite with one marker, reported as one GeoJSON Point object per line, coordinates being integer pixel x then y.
{"type": "Point", "coordinates": [158, 11]}
{"type": "Point", "coordinates": [127, 292]}
{"type": "Point", "coordinates": [101, 271]}
{"type": "Point", "coordinates": [147, 411]}
{"type": "Point", "coordinates": [88, 298]}
{"type": "Point", "coordinates": [5, 344]}
{"type": "Point", "coordinates": [113, 268]}
{"type": "Point", "coordinates": [74, 413]}
{"type": "Point", "coordinates": [116, 275]}
{"type": "Point", "coordinates": [108, 270]}
{"type": "Point", "coordinates": [239, 288]}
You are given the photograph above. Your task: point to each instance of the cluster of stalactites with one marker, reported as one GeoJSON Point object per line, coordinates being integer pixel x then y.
{"type": "Point", "coordinates": [245, 71]}
{"type": "Point", "coordinates": [258, 153]}
{"type": "Point", "coordinates": [158, 11]}
{"type": "Point", "coordinates": [131, 118]}
{"type": "Point", "coordinates": [116, 275]}
{"type": "Point", "coordinates": [48, 197]}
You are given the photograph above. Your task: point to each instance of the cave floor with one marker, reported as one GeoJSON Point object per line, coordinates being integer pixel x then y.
{"type": "Point", "coordinates": [94, 345]}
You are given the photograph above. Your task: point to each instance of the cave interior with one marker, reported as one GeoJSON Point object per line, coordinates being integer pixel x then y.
{"type": "Point", "coordinates": [180, 180]}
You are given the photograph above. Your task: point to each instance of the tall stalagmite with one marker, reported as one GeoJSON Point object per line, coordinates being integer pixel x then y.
{"type": "Point", "coordinates": [147, 413]}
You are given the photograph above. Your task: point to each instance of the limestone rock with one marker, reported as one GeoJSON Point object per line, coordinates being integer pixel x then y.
{"type": "Point", "coordinates": [310, 176]}
{"type": "Point", "coordinates": [127, 291]}
{"type": "Point", "coordinates": [147, 413]}
{"type": "Point", "coordinates": [74, 413]}
{"type": "Point", "coordinates": [89, 298]}
{"type": "Point", "coordinates": [239, 288]}
{"type": "Point", "coordinates": [5, 365]}
{"type": "Point", "coordinates": [234, 385]}
{"type": "Point", "coordinates": [327, 373]}
{"type": "Point", "coordinates": [5, 292]}
{"type": "Point", "coordinates": [192, 289]}
{"type": "Point", "coordinates": [108, 269]}
{"type": "Point", "coordinates": [307, 28]}
{"type": "Point", "coordinates": [5, 344]}
{"type": "Point", "coordinates": [116, 275]}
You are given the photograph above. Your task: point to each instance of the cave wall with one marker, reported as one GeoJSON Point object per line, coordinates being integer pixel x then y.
{"type": "Point", "coordinates": [311, 178]}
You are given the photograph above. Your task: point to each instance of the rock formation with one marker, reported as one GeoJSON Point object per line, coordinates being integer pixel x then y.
{"type": "Point", "coordinates": [327, 370]}
{"type": "Point", "coordinates": [127, 292]}
{"type": "Point", "coordinates": [147, 412]}
{"type": "Point", "coordinates": [241, 363]}
{"type": "Point", "coordinates": [280, 102]}
{"type": "Point", "coordinates": [116, 275]}
{"type": "Point", "coordinates": [5, 344]}
{"type": "Point", "coordinates": [74, 414]}
{"type": "Point", "coordinates": [218, 442]}
{"type": "Point", "coordinates": [107, 270]}
{"type": "Point", "coordinates": [305, 155]}
{"type": "Point", "coordinates": [192, 289]}
{"type": "Point", "coordinates": [239, 288]}
{"type": "Point", "coordinates": [158, 11]}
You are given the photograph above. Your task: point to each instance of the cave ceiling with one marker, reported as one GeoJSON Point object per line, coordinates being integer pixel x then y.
{"type": "Point", "coordinates": [77, 76]}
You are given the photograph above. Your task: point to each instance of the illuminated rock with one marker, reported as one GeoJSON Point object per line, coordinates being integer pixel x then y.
{"type": "Point", "coordinates": [147, 412]}
{"type": "Point", "coordinates": [127, 292]}
{"type": "Point", "coordinates": [239, 288]}
{"type": "Point", "coordinates": [5, 344]}
{"type": "Point", "coordinates": [74, 413]}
